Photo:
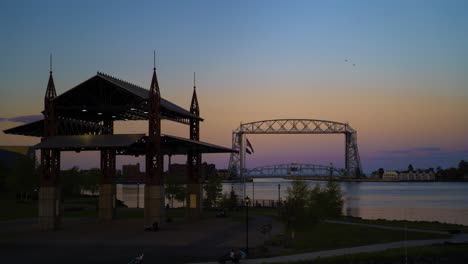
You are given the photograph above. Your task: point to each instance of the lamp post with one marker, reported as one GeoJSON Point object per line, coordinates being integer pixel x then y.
{"type": "Point", "coordinates": [279, 197]}
{"type": "Point", "coordinates": [279, 194]}
{"type": "Point", "coordinates": [247, 201]}
{"type": "Point", "coordinates": [253, 193]}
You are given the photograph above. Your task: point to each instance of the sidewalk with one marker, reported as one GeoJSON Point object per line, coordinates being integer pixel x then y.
{"type": "Point", "coordinates": [341, 251]}
{"type": "Point", "coordinates": [458, 238]}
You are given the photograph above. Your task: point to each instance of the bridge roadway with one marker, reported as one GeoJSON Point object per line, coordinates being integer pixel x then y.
{"type": "Point", "coordinates": [295, 170]}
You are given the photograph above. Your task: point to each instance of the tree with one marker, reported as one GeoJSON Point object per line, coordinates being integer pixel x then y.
{"type": "Point", "coordinates": [296, 201]}
{"type": "Point", "coordinates": [334, 200]}
{"type": "Point", "coordinates": [89, 180]}
{"type": "Point", "coordinates": [3, 176]}
{"type": "Point", "coordinates": [213, 189]}
{"type": "Point", "coordinates": [463, 168]}
{"type": "Point", "coordinates": [232, 200]}
{"type": "Point", "coordinates": [410, 168]}
{"type": "Point", "coordinates": [23, 177]}
{"type": "Point", "coordinates": [70, 182]}
{"type": "Point", "coordinates": [316, 203]}
{"type": "Point", "coordinates": [381, 172]}
{"type": "Point", "coordinates": [174, 189]}
{"type": "Point", "coordinates": [224, 201]}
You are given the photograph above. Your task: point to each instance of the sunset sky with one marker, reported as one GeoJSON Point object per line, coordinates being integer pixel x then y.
{"type": "Point", "coordinates": [395, 70]}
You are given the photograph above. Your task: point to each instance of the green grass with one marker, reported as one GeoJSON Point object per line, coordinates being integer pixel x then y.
{"type": "Point", "coordinates": [325, 236]}
{"type": "Point", "coordinates": [437, 226]}
{"type": "Point", "coordinates": [12, 209]}
{"type": "Point", "coordinates": [424, 254]}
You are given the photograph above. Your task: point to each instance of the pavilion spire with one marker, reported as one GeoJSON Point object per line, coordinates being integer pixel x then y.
{"type": "Point", "coordinates": [194, 107]}
{"type": "Point", "coordinates": [50, 91]}
{"type": "Point", "coordinates": [154, 89]}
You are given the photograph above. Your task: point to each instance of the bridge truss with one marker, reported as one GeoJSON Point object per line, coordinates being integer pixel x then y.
{"type": "Point", "coordinates": [294, 170]}
{"type": "Point", "coordinates": [295, 126]}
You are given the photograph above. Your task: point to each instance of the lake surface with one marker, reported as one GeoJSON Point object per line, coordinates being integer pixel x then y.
{"type": "Point", "coordinates": [428, 201]}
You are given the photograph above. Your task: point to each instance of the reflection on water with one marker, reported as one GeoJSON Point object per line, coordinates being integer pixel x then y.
{"type": "Point", "coordinates": [428, 201]}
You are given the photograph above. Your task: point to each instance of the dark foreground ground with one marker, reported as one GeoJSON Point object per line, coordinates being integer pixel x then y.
{"type": "Point", "coordinates": [85, 241]}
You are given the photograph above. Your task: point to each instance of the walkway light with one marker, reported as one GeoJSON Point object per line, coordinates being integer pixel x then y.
{"type": "Point", "coordinates": [247, 201]}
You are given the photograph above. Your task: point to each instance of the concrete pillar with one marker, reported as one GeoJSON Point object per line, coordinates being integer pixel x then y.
{"type": "Point", "coordinates": [154, 202]}
{"type": "Point", "coordinates": [194, 200]}
{"type": "Point", "coordinates": [50, 208]}
{"type": "Point", "coordinates": [106, 201]}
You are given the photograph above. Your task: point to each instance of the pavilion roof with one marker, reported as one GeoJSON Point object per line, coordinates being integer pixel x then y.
{"type": "Point", "coordinates": [66, 126]}
{"type": "Point", "coordinates": [106, 97]}
{"type": "Point", "coordinates": [128, 144]}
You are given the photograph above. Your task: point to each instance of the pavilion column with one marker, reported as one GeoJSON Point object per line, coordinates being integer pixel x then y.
{"type": "Point", "coordinates": [50, 199]}
{"type": "Point", "coordinates": [194, 177]}
{"type": "Point", "coordinates": [107, 189]}
{"type": "Point", "coordinates": [154, 187]}
{"type": "Point", "coordinates": [194, 186]}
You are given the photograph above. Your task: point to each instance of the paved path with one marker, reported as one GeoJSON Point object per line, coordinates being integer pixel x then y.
{"type": "Point", "coordinates": [389, 227]}
{"type": "Point", "coordinates": [458, 238]}
{"type": "Point", "coordinates": [87, 241]}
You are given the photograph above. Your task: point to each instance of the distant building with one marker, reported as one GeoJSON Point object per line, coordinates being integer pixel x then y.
{"type": "Point", "coordinates": [390, 176]}
{"type": "Point", "coordinates": [179, 171]}
{"type": "Point", "coordinates": [132, 172]}
{"type": "Point", "coordinates": [417, 175]}
{"type": "Point", "coordinates": [223, 173]}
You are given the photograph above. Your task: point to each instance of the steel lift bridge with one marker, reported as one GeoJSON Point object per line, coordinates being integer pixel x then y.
{"type": "Point", "coordinates": [352, 168]}
{"type": "Point", "coordinates": [294, 170]}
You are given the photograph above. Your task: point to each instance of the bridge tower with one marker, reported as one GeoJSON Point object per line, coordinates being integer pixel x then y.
{"type": "Point", "coordinates": [50, 204]}
{"type": "Point", "coordinates": [154, 188]}
{"type": "Point", "coordinates": [194, 187]}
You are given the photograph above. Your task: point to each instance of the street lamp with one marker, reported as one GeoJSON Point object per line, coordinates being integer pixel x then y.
{"type": "Point", "coordinates": [279, 194]}
{"type": "Point", "coordinates": [247, 201]}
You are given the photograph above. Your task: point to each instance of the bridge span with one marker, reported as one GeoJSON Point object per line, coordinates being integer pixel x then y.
{"type": "Point", "coordinates": [294, 170]}
{"type": "Point", "coordinates": [353, 166]}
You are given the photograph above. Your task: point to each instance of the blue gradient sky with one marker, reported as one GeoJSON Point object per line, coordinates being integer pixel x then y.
{"type": "Point", "coordinates": [261, 60]}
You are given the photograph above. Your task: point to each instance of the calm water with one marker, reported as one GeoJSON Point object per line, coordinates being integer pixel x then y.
{"type": "Point", "coordinates": [429, 201]}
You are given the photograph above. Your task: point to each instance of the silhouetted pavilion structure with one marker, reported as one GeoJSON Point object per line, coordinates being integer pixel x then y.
{"type": "Point", "coordinates": [82, 118]}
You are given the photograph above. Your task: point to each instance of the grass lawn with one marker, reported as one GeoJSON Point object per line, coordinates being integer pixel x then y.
{"type": "Point", "coordinates": [325, 236]}
{"type": "Point", "coordinates": [450, 254]}
{"type": "Point", "coordinates": [409, 224]}
{"type": "Point", "coordinates": [12, 209]}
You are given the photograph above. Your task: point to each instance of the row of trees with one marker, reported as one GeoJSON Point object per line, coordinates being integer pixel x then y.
{"type": "Point", "coordinates": [305, 205]}
{"type": "Point", "coordinates": [22, 178]}
{"type": "Point", "coordinates": [453, 174]}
